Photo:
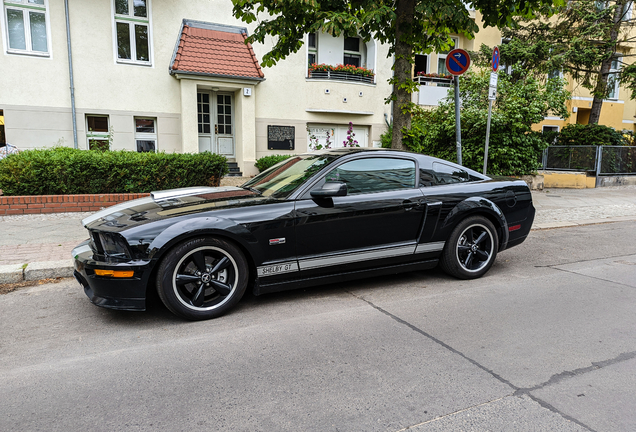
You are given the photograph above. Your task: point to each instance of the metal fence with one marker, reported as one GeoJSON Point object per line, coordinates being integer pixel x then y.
{"type": "Point", "coordinates": [603, 160]}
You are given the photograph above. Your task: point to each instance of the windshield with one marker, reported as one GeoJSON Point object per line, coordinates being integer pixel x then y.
{"type": "Point", "coordinates": [285, 177]}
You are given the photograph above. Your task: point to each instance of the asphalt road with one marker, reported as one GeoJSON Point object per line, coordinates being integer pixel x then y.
{"type": "Point", "coordinates": [545, 341]}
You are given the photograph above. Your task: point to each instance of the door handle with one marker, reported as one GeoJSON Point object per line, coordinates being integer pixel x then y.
{"type": "Point", "coordinates": [408, 205]}
{"type": "Point", "coordinates": [216, 129]}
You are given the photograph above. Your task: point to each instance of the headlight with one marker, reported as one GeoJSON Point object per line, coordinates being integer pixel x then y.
{"type": "Point", "coordinates": [114, 245]}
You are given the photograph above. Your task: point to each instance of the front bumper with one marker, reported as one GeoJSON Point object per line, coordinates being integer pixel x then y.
{"type": "Point", "coordinates": [111, 292]}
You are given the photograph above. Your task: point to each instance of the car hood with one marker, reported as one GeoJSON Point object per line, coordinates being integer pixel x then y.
{"type": "Point", "coordinates": [172, 203]}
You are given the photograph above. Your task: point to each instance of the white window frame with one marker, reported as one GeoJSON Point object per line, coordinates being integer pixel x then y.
{"type": "Point", "coordinates": [612, 75]}
{"type": "Point", "coordinates": [25, 8]}
{"type": "Point", "coordinates": [132, 20]}
{"type": "Point", "coordinates": [96, 136]}
{"type": "Point", "coordinates": [442, 56]}
{"type": "Point", "coordinates": [312, 50]}
{"type": "Point", "coordinates": [543, 128]}
{"type": "Point", "coordinates": [428, 64]}
{"type": "Point", "coordinates": [627, 11]}
{"type": "Point", "coordinates": [504, 68]}
{"type": "Point", "coordinates": [146, 136]}
{"type": "Point", "coordinates": [357, 54]}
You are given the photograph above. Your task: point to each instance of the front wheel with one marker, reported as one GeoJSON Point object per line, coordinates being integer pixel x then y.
{"type": "Point", "coordinates": [471, 248]}
{"type": "Point", "coordinates": [202, 278]}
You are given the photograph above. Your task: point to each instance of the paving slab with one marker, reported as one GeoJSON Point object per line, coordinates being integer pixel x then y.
{"type": "Point", "coordinates": [603, 399]}
{"type": "Point", "coordinates": [511, 413]}
{"type": "Point", "coordinates": [551, 322]}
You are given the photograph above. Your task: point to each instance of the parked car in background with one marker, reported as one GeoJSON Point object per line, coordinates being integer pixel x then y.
{"type": "Point", "coordinates": [316, 218]}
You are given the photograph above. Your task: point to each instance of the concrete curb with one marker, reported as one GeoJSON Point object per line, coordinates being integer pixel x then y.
{"type": "Point", "coordinates": [48, 269]}
{"type": "Point", "coordinates": [16, 273]}
{"type": "Point", "coordinates": [564, 224]}
{"type": "Point", "coordinates": [12, 273]}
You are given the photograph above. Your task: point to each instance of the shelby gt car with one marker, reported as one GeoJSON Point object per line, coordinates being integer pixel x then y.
{"type": "Point", "coordinates": [312, 219]}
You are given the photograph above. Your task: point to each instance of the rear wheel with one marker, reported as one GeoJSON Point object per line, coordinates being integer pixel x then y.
{"type": "Point", "coordinates": [202, 278]}
{"type": "Point", "coordinates": [471, 248]}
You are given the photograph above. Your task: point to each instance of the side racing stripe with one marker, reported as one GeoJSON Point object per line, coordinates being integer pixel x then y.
{"type": "Point", "coordinates": [306, 264]}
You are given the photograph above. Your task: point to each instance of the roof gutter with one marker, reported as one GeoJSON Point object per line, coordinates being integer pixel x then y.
{"type": "Point", "coordinates": [202, 74]}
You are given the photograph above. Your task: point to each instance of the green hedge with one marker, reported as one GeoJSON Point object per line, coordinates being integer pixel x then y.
{"type": "Point", "coordinates": [590, 134]}
{"type": "Point", "coordinates": [63, 170]}
{"type": "Point", "coordinates": [269, 161]}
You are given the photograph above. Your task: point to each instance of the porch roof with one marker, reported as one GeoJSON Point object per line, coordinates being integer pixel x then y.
{"type": "Point", "coordinates": [214, 50]}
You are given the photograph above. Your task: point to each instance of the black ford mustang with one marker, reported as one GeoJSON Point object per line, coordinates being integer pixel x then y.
{"type": "Point", "coordinates": [312, 219]}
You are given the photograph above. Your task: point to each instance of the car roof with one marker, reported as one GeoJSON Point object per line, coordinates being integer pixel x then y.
{"type": "Point", "coordinates": [423, 159]}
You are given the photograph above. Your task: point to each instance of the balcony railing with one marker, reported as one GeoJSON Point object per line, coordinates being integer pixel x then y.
{"type": "Point", "coordinates": [432, 90]}
{"type": "Point", "coordinates": [341, 76]}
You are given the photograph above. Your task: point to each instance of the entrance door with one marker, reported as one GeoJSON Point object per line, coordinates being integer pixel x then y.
{"type": "Point", "coordinates": [216, 123]}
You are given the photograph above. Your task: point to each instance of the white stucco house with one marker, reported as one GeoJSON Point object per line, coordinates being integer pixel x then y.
{"type": "Point", "coordinates": [176, 76]}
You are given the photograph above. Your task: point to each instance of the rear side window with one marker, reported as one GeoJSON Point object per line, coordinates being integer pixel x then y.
{"type": "Point", "coordinates": [375, 175]}
{"type": "Point", "coordinates": [447, 174]}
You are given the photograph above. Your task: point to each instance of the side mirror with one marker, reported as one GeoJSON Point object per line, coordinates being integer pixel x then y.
{"type": "Point", "coordinates": [330, 189]}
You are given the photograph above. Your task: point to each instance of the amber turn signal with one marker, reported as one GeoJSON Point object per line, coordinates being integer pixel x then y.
{"type": "Point", "coordinates": [115, 273]}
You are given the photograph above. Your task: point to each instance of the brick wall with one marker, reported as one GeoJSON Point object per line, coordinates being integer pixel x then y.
{"type": "Point", "coordinates": [35, 204]}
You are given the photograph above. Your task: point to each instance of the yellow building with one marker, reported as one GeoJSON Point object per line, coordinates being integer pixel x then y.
{"type": "Point", "coordinates": [618, 109]}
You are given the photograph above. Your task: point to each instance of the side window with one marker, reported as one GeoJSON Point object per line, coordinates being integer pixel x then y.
{"type": "Point", "coordinates": [146, 134]}
{"type": "Point", "coordinates": [132, 31]}
{"type": "Point", "coordinates": [98, 132]}
{"type": "Point", "coordinates": [447, 174]}
{"type": "Point", "coordinates": [26, 24]}
{"type": "Point", "coordinates": [375, 175]}
{"type": "Point", "coordinates": [427, 178]}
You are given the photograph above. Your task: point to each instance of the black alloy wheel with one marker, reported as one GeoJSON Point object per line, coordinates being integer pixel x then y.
{"type": "Point", "coordinates": [471, 248]}
{"type": "Point", "coordinates": [202, 278]}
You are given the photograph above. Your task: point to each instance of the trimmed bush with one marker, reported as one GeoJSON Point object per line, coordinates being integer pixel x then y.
{"type": "Point", "coordinates": [64, 170]}
{"type": "Point", "coordinates": [269, 161]}
{"type": "Point", "coordinates": [590, 134]}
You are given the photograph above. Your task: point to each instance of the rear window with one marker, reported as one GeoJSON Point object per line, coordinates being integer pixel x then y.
{"type": "Point", "coordinates": [442, 174]}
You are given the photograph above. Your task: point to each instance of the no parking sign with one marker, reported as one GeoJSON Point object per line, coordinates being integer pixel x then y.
{"type": "Point", "coordinates": [457, 62]}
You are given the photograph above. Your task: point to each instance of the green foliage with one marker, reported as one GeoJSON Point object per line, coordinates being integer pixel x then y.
{"type": "Point", "coordinates": [584, 40]}
{"type": "Point", "coordinates": [269, 161]}
{"type": "Point", "coordinates": [514, 149]}
{"type": "Point", "coordinates": [409, 27]}
{"type": "Point", "coordinates": [591, 134]}
{"type": "Point", "coordinates": [64, 170]}
{"type": "Point", "coordinates": [386, 137]}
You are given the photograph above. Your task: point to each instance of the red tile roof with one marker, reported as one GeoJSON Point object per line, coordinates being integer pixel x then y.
{"type": "Point", "coordinates": [214, 52]}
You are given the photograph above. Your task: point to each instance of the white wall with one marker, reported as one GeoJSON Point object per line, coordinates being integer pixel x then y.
{"type": "Point", "coordinates": [35, 92]}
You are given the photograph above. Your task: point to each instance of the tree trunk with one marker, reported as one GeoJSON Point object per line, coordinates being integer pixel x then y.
{"type": "Point", "coordinates": [405, 11]}
{"type": "Point", "coordinates": [600, 91]}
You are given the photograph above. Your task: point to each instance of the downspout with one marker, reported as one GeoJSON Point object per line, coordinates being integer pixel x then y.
{"type": "Point", "coordinates": [70, 73]}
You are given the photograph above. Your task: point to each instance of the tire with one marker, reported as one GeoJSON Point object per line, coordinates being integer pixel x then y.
{"type": "Point", "coordinates": [202, 278]}
{"type": "Point", "coordinates": [471, 248]}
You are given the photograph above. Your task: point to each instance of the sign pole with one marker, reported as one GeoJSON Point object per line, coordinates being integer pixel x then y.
{"type": "Point", "coordinates": [487, 135]}
{"type": "Point", "coordinates": [458, 126]}
{"type": "Point", "coordinates": [457, 62]}
{"type": "Point", "coordinates": [492, 95]}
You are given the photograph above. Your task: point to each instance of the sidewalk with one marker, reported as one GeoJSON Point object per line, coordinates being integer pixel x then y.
{"type": "Point", "coordinates": [44, 242]}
